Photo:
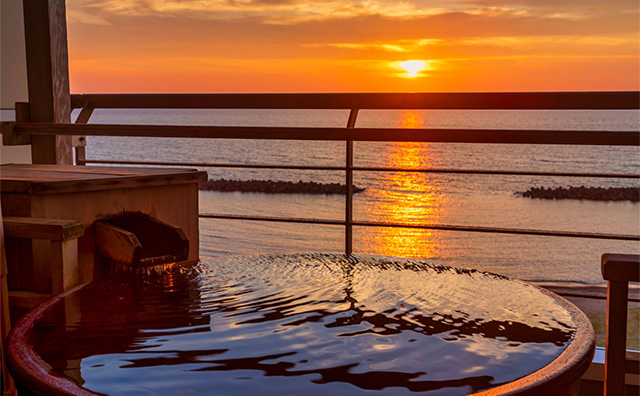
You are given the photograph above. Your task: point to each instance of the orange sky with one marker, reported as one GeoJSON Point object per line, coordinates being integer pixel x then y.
{"type": "Point", "coordinates": [352, 45]}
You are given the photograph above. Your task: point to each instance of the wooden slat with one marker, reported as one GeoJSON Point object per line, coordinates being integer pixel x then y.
{"type": "Point", "coordinates": [508, 100]}
{"type": "Point", "coordinates": [15, 170]}
{"type": "Point", "coordinates": [37, 228]}
{"type": "Point", "coordinates": [516, 136]}
{"type": "Point", "coordinates": [9, 174]}
{"type": "Point", "coordinates": [108, 183]}
{"type": "Point", "coordinates": [45, 179]}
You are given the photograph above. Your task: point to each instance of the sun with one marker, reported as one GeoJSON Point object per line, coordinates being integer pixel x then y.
{"type": "Point", "coordinates": [412, 67]}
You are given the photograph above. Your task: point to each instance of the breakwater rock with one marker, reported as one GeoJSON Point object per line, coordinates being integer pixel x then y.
{"type": "Point", "coordinates": [589, 193]}
{"type": "Point", "coordinates": [276, 187]}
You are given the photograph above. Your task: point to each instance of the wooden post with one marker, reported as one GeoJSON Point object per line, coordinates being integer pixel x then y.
{"type": "Point", "coordinates": [48, 77]}
{"type": "Point", "coordinates": [618, 270]}
{"type": "Point", "coordinates": [614, 376]}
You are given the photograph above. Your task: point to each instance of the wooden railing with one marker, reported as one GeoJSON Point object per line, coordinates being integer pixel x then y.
{"type": "Point", "coordinates": [20, 131]}
{"type": "Point", "coordinates": [467, 101]}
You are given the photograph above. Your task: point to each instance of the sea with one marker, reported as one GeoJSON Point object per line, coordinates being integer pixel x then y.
{"type": "Point", "coordinates": [407, 197]}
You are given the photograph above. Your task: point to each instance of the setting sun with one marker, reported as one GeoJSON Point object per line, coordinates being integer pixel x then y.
{"type": "Point", "coordinates": [412, 67]}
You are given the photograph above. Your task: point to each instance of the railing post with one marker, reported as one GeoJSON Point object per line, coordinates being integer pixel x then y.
{"type": "Point", "coordinates": [615, 350]}
{"type": "Point", "coordinates": [618, 270]}
{"type": "Point", "coordinates": [348, 228]}
{"type": "Point", "coordinates": [80, 142]}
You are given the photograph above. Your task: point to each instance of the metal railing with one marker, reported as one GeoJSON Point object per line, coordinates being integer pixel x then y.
{"type": "Point", "coordinates": [350, 134]}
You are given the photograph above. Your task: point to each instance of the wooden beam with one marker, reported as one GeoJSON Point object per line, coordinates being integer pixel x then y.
{"type": "Point", "coordinates": [517, 136]}
{"type": "Point", "coordinates": [421, 100]}
{"type": "Point", "coordinates": [48, 77]}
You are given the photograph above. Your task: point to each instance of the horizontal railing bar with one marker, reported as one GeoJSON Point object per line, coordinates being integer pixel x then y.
{"type": "Point", "coordinates": [272, 219]}
{"type": "Point", "coordinates": [495, 136]}
{"type": "Point", "coordinates": [218, 165]}
{"type": "Point", "coordinates": [443, 227]}
{"type": "Point", "coordinates": [371, 169]}
{"type": "Point", "coordinates": [500, 172]}
{"type": "Point", "coordinates": [456, 100]}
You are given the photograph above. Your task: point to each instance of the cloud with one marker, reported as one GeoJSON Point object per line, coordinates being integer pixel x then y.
{"type": "Point", "coordinates": [268, 11]}
{"type": "Point", "coordinates": [360, 46]}
{"type": "Point", "coordinates": [442, 34]}
{"type": "Point", "coordinates": [463, 15]}
{"type": "Point", "coordinates": [76, 16]}
{"type": "Point", "coordinates": [342, 32]}
{"type": "Point", "coordinates": [394, 46]}
{"type": "Point", "coordinates": [556, 4]}
{"type": "Point", "coordinates": [526, 12]}
{"type": "Point", "coordinates": [546, 40]}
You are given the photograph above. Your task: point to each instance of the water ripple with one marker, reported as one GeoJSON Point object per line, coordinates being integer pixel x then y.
{"type": "Point", "coordinates": [303, 324]}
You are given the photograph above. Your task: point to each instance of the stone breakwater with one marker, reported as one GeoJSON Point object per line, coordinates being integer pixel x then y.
{"type": "Point", "coordinates": [589, 193]}
{"type": "Point", "coordinates": [276, 187]}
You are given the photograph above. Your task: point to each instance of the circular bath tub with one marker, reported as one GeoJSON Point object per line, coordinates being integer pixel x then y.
{"type": "Point", "coordinates": [302, 324]}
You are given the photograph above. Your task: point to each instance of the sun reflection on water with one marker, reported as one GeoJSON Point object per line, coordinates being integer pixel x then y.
{"type": "Point", "coordinates": [406, 197]}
